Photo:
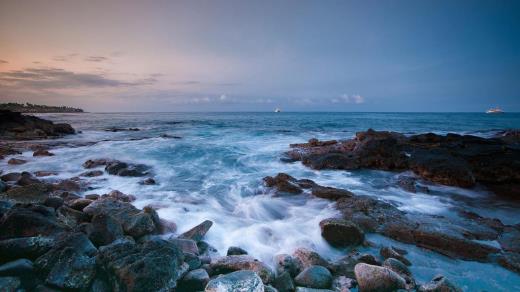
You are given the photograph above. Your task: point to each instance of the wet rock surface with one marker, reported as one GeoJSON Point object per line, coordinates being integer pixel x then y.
{"type": "Point", "coordinates": [239, 281]}
{"type": "Point", "coordinates": [340, 232]}
{"type": "Point", "coordinates": [451, 160]}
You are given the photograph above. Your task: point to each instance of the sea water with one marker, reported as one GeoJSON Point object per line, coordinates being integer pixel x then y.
{"type": "Point", "coordinates": [215, 170]}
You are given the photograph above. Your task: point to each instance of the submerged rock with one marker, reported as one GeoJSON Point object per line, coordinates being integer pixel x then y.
{"type": "Point", "coordinates": [42, 152]}
{"type": "Point", "coordinates": [239, 281]}
{"type": "Point", "coordinates": [439, 284]}
{"type": "Point", "coordinates": [340, 232]}
{"type": "Point", "coordinates": [235, 250]}
{"type": "Point", "coordinates": [374, 278]}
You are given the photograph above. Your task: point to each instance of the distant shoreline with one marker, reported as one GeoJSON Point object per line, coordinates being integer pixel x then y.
{"type": "Point", "coordinates": [35, 108]}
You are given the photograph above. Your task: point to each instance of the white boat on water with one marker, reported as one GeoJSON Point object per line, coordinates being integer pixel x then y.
{"type": "Point", "coordinates": [277, 110]}
{"type": "Point", "coordinates": [495, 110]}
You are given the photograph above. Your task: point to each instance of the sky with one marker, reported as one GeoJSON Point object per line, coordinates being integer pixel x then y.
{"type": "Point", "coordinates": [260, 55]}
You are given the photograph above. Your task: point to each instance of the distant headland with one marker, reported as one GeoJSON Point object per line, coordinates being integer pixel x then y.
{"type": "Point", "coordinates": [37, 108]}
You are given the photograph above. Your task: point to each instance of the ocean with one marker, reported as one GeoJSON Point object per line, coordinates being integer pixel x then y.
{"type": "Point", "coordinates": [214, 170]}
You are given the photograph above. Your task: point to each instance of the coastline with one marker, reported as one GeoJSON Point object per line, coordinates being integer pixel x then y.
{"type": "Point", "coordinates": [75, 219]}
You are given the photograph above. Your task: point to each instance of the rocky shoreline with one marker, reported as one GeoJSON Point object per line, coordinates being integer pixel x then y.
{"type": "Point", "coordinates": [58, 235]}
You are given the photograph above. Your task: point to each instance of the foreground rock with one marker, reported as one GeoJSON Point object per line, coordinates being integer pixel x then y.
{"type": "Point", "coordinates": [239, 281]}
{"type": "Point", "coordinates": [340, 232]}
{"type": "Point", "coordinates": [16, 126]}
{"type": "Point", "coordinates": [242, 262]}
{"type": "Point", "coordinates": [451, 160]}
{"type": "Point", "coordinates": [439, 283]}
{"type": "Point", "coordinates": [374, 278]}
{"type": "Point", "coordinates": [314, 277]}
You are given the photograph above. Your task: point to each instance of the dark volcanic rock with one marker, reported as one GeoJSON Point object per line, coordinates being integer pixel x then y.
{"type": "Point", "coordinates": [32, 193]}
{"type": "Point", "coordinates": [28, 221]}
{"type": "Point", "coordinates": [286, 263]}
{"type": "Point", "coordinates": [10, 177]}
{"type": "Point", "coordinates": [126, 169]}
{"type": "Point", "coordinates": [195, 280]}
{"type": "Point", "coordinates": [306, 258]}
{"type": "Point", "coordinates": [27, 179]}
{"type": "Point", "coordinates": [10, 284]}
{"type": "Point", "coordinates": [25, 247]}
{"type": "Point", "coordinates": [284, 282]}
{"type": "Point", "coordinates": [105, 230]}
{"type": "Point", "coordinates": [16, 161]}
{"type": "Point", "coordinates": [24, 127]}
{"type": "Point", "coordinates": [42, 152]}
{"type": "Point", "coordinates": [389, 252]}
{"type": "Point", "coordinates": [330, 193]}
{"type": "Point", "coordinates": [452, 159]}
{"type": "Point", "coordinates": [20, 267]}
{"type": "Point", "coordinates": [92, 173]}
{"type": "Point", "coordinates": [92, 163]}
{"type": "Point", "coordinates": [153, 265]}
{"type": "Point", "coordinates": [340, 232]}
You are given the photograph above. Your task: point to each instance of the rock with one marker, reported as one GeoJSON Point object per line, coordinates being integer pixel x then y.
{"type": "Point", "coordinates": [397, 266]}
{"type": "Point", "coordinates": [284, 282]}
{"type": "Point", "coordinates": [119, 196]}
{"type": "Point", "coordinates": [510, 240]}
{"type": "Point", "coordinates": [42, 173]}
{"type": "Point", "coordinates": [193, 261]}
{"type": "Point", "coordinates": [239, 281]}
{"type": "Point", "coordinates": [314, 277]}
{"type": "Point", "coordinates": [115, 129]}
{"type": "Point", "coordinates": [29, 221]}
{"type": "Point", "coordinates": [286, 263]}
{"type": "Point", "coordinates": [71, 217]}
{"type": "Point", "coordinates": [25, 247]}
{"type": "Point", "coordinates": [105, 229]}
{"type": "Point", "coordinates": [374, 278]}
{"type": "Point", "coordinates": [70, 264]}
{"type": "Point", "coordinates": [439, 284]}
{"type": "Point", "coordinates": [92, 197]}
{"type": "Point", "coordinates": [306, 258]}
{"type": "Point", "coordinates": [389, 252]}
{"type": "Point", "coordinates": [195, 280]}
{"type": "Point", "coordinates": [10, 284]}
{"type": "Point", "coordinates": [3, 186]}
{"type": "Point", "coordinates": [344, 266]}
{"type": "Point", "coordinates": [341, 233]}
{"type": "Point", "coordinates": [92, 163]}
{"type": "Point", "coordinates": [342, 284]}
{"type": "Point", "coordinates": [153, 265]}
{"type": "Point", "coordinates": [20, 267]}
{"type": "Point", "coordinates": [330, 193]}
{"type": "Point", "coordinates": [42, 152]}
{"type": "Point", "coordinates": [205, 249]}
{"type": "Point", "coordinates": [510, 261]}
{"type": "Point", "coordinates": [269, 288]}
{"type": "Point", "coordinates": [148, 181]}
{"type": "Point", "coordinates": [232, 263]}
{"type": "Point", "coordinates": [68, 185]}
{"type": "Point", "coordinates": [286, 184]}
{"type": "Point", "coordinates": [135, 223]}
{"type": "Point", "coordinates": [368, 259]}
{"type": "Point", "coordinates": [92, 173]}
{"type": "Point", "coordinates": [16, 161]}
{"type": "Point", "coordinates": [197, 232]}
{"type": "Point", "coordinates": [33, 193]}
{"type": "Point", "coordinates": [235, 250]}
{"type": "Point", "coordinates": [27, 179]}
{"type": "Point", "coordinates": [12, 176]}
{"type": "Point", "coordinates": [14, 125]}
{"type": "Point", "coordinates": [186, 245]}
{"type": "Point", "coordinates": [79, 204]}
{"type": "Point", "coordinates": [126, 169]}
{"type": "Point", "coordinates": [304, 289]}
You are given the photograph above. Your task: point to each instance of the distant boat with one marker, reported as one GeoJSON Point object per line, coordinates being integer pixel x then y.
{"type": "Point", "coordinates": [277, 110]}
{"type": "Point", "coordinates": [495, 110]}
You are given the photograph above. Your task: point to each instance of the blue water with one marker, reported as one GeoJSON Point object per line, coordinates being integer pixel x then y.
{"type": "Point", "coordinates": [215, 172]}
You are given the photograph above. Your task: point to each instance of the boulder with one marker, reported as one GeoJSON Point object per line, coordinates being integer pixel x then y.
{"type": "Point", "coordinates": [92, 173]}
{"type": "Point", "coordinates": [224, 265]}
{"type": "Point", "coordinates": [135, 223]}
{"type": "Point", "coordinates": [186, 245]}
{"type": "Point", "coordinates": [284, 282]}
{"type": "Point", "coordinates": [390, 252]}
{"type": "Point", "coordinates": [286, 263]}
{"type": "Point", "coordinates": [343, 284]}
{"type": "Point", "coordinates": [93, 163]}
{"type": "Point", "coordinates": [197, 232]}
{"type": "Point", "coordinates": [314, 277]}
{"type": "Point", "coordinates": [10, 177]}
{"type": "Point", "coordinates": [3, 186]}
{"type": "Point", "coordinates": [330, 193]}
{"type": "Point", "coordinates": [126, 169]}
{"type": "Point", "coordinates": [341, 233]}
{"type": "Point", "coordinates": [16, 161]}
{"type": "Point", "coordinates": [306, 258]}
{"type": "Point", "coordinates": [42, 173]}
{"type": "Point", "coordinates": [439, 284]}
{"type": "Point", "coordinates": [18, 268]}
{"type": "Point", "coordinates": [32, 193]}
{"type": "Point", "coordinates": [283, 183]}
{"type": "Point", "coordinates": [374, 278]}
{"type": "Point", "coordinates": [153, 265]}
{"type": "Point", "coordinates": [235, 250]}
{"type": "Point", "coordinates": [195, 280]}
{"type": "Point", "coordinates": [10, 284]}
{"type": "Point", "coordinates": [27, 179]}
{"type": "Point", "coordinates": [79, 204]}
{"type": "Point", "coordinates": [42, 152]}
{"type": "Point", "coordinates": [239, 281]}
{"type": "Point", "coordinates": [25, 247]}
{"type": "Point", "coordinates": [510, 261]}
{"type": "Point", "coordinates": [148, 181]}
{"type": "Point", "coordinates": [105, 229]}
{"type": "Point", "coordinates": [397, 266]}
{"type": "Point", "coordinates": [29, 221]}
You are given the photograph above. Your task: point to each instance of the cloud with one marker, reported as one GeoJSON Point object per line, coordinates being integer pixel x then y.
{"type": "Point", "coordinates": [223, 97]}
{"type": "Point", "coordinates": [56, 78]}
{"type": "Point", "coordinates": [3, 61]}
{"type": "Point", "coordinates": [64, 58]}
{"type": "Point", "coordinates": [95, 59]}
{"type": "Point", "coordinates": [346, 98]}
